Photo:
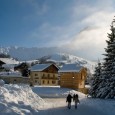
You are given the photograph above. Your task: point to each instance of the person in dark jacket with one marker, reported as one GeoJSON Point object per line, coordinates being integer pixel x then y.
{"type": "Point", "coordinates": [76, 100]}
{"type": "Point", "coordinates": [69, 99]}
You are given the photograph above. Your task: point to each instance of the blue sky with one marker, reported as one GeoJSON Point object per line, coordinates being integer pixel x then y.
{"type": "Point", "coordinates": [80, 25]}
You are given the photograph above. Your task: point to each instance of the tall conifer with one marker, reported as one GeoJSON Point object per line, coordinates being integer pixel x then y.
{"type": "Point", "coordinates": [104, 86]}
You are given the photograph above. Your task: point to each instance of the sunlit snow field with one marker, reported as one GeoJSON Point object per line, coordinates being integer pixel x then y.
{"type": "Point", "coordinates": [25, 100]}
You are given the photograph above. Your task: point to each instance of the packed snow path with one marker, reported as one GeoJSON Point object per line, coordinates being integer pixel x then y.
{"type": "Point", "coordinates": [21, 100]}
{"type": "Point", "coordinates": [55, 98]}
{"type": "Point", "coordinates": [58, 106]}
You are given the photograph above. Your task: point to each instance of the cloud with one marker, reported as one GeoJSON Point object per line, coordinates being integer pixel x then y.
{"type": "Point", "coordinates": [55, 35]}
{"type": "Point", "coordinates": [90, 42]}
{"type": "Point", "coordinates": [95, 22]}
{"type": "Point", "coordinates": [100, 19]}
{"type": "Point", "coordinates": [90, 37]}
{"type": "Point", "coordinates": [36, 9]}
{"type": "Point", "coordinates": [42, 10]}
{"type": "Point", "coordinates": [95, 32]}
{"type": "Point", "coordinates": [85, 32]}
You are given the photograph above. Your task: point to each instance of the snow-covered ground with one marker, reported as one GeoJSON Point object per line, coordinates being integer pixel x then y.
{"type": "Point", "coordinates": [24, 100]}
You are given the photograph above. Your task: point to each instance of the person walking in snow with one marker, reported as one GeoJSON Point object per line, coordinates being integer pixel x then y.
{"type": "Point", "coordinates": [76, 100]}
{"type": "Point", "coordinates": [69, 99]}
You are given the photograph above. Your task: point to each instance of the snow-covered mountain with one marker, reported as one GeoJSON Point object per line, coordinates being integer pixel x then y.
{"type": "Point", "coordinates": [64, 58]}
{"type": "Point", "coordinates": [46, 55]}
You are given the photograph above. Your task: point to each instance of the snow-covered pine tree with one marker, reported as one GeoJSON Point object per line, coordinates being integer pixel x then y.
{"type": "Point", "coordinates": [96, 80]}
{"type": "Point", "coordinates": [107, 86]}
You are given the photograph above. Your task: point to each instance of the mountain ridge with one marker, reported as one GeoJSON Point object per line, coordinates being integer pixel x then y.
{"type": "Point", "coordinates": [46, 55]}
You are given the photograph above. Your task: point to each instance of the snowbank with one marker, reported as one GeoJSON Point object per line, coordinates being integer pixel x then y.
{"type": "Point", "coordinates": [19, 99]}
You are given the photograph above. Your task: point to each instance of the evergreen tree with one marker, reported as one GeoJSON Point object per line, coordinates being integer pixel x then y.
{"type": "Point", "coordinates": [96, 80]}
{"type": "Point", "coordinates": [25, 72]}
{"type": "Point", "coordinates": [109, 65]}
{"type": "Point", "coordinates": [106, 88]}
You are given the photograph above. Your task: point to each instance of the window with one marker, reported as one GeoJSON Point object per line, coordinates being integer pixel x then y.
{"type": "Point", "coordinates": [43, 82]}
{"type": "Point", "coordinates": [53, 82]}
{"type": "Point", "coordinates": [43, 76]}
{"type": "Point", "coordinates": [48, 82]}
{"type": "Point", "coordinates": [48, 75]}
{"type": "Point", "coordinates": [82, 77]}
{"type": "Point", "coordinates": [36, 74]}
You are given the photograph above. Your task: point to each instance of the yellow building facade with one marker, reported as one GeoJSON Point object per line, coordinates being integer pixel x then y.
{"type": "Point", "coordinates": [44, 74]}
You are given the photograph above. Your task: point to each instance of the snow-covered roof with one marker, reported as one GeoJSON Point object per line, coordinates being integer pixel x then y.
{"type": "Point", "coordinates": [39, 67]}
{"type": "Point", "coordinates": [71, 68]}
{"type": "Point", "coordinates": [9, 61]}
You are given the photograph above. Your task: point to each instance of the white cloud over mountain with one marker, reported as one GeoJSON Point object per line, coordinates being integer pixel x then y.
{"type": "Point", "coordinates": [90, 42]}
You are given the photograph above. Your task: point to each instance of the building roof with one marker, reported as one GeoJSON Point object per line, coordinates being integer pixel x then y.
{"type": "Point", "coordinates": [40, 67]}
{"type": "Point", "coordinates": [71, 68]}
